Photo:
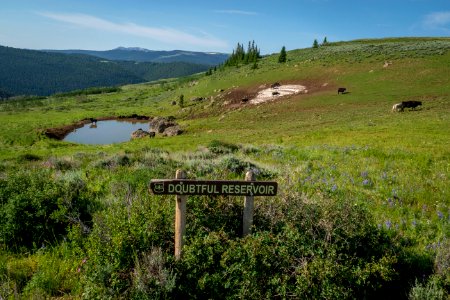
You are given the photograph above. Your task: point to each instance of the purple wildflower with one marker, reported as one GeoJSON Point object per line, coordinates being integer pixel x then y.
{"type": "Point", "coordinates": [391, 202]}
{"type": "Point", "coordinates": [388, 224]}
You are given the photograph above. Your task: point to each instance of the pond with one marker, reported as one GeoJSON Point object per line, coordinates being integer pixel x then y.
{"type": "Point", "coordinates": [105, 132]}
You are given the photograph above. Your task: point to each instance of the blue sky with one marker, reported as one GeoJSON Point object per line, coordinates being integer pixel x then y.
{"type": "Point", "coordinates": [201, 25]}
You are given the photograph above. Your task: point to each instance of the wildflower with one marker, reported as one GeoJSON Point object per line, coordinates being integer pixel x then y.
{"type": "Point", "coordinates": [388, 224]}
{"type": "Point", "coordinates": [440, 215]}
{"type": "Point", "coordinates": [366, 182]}
{"type": "Point", "coordinates": [334, 188]}
{"type": "Point", "coordinates": [391, 202]}
{"type": "Point", "coordinates": [364, 174]}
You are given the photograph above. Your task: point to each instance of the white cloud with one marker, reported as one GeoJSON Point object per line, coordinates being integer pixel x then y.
{"type": "Point", "coordinates": [236, 12]}
{"type": "Point", "coordinates": [167, 35]}
{"type": "Point", "coordinates": [437, 20]}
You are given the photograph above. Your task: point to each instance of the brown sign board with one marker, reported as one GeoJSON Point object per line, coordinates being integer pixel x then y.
{"type": "Point", "coordinates": [213, 187]}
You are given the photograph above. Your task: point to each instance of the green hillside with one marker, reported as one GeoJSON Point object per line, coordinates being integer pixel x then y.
{"type": "Point", "coordinates": [362, 211]}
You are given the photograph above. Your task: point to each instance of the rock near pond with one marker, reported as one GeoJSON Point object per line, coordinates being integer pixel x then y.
{"type": "Point", "coordinates": [141, 134]}
{"type": "Point", "coordinates": [165, 126]}
{"type": "Point", "coordinates": [172, 131]}
{"type": "Point", "coordinates": [159, 124]}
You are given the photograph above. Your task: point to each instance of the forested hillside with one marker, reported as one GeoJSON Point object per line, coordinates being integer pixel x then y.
{"type": "Point", "coordinates": [145, 55]}
{"type": "Point", "coordinates": [29, 72]}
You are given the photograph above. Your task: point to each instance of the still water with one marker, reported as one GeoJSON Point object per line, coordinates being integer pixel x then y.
{"type": "Point", "coordinates": [105, 132]}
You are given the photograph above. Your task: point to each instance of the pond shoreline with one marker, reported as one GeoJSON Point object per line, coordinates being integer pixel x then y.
{"type": "Point", "coordinates": [59, 133]}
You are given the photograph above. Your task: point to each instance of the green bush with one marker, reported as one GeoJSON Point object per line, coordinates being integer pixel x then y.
{"type": "Point", "coordinates": [131, 226]}
{"type": "Point", "coordinates": [219, 147]}
{"type": "Point", "coordinates": [36, 209]}
{"type": "Point", "coordinates": [310, 251]}
{"type": "Point", "coordinates": [429, 290]}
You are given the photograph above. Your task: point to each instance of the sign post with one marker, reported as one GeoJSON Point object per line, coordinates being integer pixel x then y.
{"type": "Point", "coordinates": [182, 187]}
{"type": "Point", "coordinates": [247, 219]}
{"type": "Point", "coordinates": [180, 218]}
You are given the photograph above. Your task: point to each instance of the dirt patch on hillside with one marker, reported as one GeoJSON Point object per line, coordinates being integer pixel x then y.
{"type": "Point", "coordinates": [275, 92]}
{"type": "Point", "coordinates": [238, 97]}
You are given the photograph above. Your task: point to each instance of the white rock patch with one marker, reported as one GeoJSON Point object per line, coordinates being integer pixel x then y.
{"type": "Point", "coordinates": [274, 93]}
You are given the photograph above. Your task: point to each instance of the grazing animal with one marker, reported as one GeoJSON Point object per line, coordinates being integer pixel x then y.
{"type": "Point", "coordinates": [93, 121]}
{"type": "Point", "coordinates": [397, 107]}
{"type": "Point", "coordinates": [411, 104]}
{"type": "Point", "coordinates": [275, 85]}
{"type": "Point", "coordinates": [275, 93]}
{"type": "Point", "coordinates": [341, 90]}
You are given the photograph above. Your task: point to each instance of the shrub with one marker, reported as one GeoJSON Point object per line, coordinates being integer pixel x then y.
{"type": "Point", "coordinates": [151, 278]}
{"type": "Point", "coordinates": [131, 225]}
{"type": "Point", "coordinates": [317, 249]}
{"type": "Point", "coordinates": [29, 157]}
{"type": "Point", "coordinates": [36, 210]}
{"type": "Point", "coordinates": [429, 290]}
{"type": "Point", "coordinates": [239, 167]}
{"type": "Point", "coordinates": [219, 147]}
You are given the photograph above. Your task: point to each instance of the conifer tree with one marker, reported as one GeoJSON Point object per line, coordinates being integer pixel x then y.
{"type": "Point", "coordinates": [240, 56]}
{"type": "Point", "coordinates": [316, 44]}
{"type": "Point", "coordinates": [181, 101]}
{"type": "Point", "coordinates": [325, 42]}
{"type": "Point", "coordinates": [282, 57]}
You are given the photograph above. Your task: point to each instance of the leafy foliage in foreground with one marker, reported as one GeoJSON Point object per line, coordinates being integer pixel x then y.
{"type": "Point", "coordinates": [307, 243]}
{"type": "Point", "coordinates": [36, 210]}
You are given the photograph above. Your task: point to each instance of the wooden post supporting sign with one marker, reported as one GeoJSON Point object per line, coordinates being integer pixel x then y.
{"type": "Point", "coordinates": [180, 218]}
{"type": "Point", "coordinates": [247, 220]}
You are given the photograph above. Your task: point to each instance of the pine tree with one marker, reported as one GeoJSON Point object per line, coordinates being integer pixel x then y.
{"type": "Point", "coordinates": [316, 44]}
{"type": "Point", "coordinates": [282, 57]}
{"type": "Point", "coordinates": [325, 42]}
{"type": "Point", "coordinates": [240, 56]}
{"type": "Point", "coordinates": [181, 101]}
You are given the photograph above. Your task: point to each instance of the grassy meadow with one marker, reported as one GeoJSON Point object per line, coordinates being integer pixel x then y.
{"type": "Point", "coordinates": [363, 209]}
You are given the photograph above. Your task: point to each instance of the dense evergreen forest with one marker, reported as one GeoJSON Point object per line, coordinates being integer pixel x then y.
{"type": "Point", "coordinates": [29, 72]}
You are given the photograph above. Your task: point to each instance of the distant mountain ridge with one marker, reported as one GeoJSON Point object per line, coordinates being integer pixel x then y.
{"type": "Point", "coordinates": [145, 55]}
{"type": "Point", "coordinates": [42, 73]}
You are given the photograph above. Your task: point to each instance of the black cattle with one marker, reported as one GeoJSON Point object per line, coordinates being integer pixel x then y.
{"type": "Point", "coordinates": [93, 121]}
{"type": "Point", "coordinates": [411, 104]}
{"type": "Point", "coordinates": [341, 90]}
{"type": "Point", "coordinates": [275, 85]}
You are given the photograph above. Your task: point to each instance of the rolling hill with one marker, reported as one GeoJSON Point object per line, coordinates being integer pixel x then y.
{"type": "Point", "coordinates": [145, 55]}
{"type": "Point", "coordinates": [30, 72]}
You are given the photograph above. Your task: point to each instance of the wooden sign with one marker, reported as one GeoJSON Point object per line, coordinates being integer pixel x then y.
{"type": "Point", "coordinates": [182, 187]}
{"type": "Point", "coordinates": [215, 187]}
